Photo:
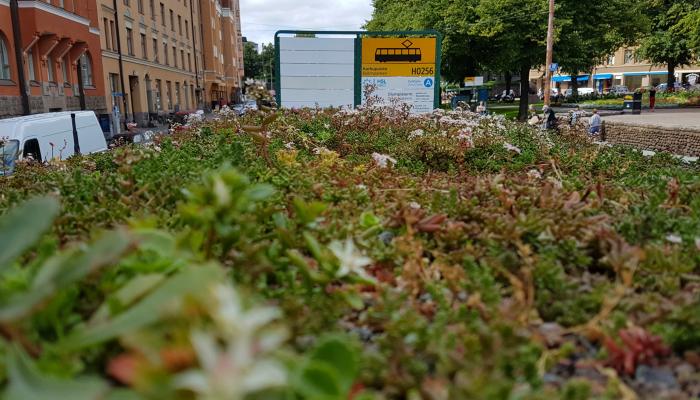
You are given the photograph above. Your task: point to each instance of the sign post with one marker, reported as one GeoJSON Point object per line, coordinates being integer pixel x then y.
{"type": "Point", "coordinates": [333, 68]}
{"type": "Point", "coordinates": [401, 69]}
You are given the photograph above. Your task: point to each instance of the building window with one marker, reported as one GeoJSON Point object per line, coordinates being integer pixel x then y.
{"type": "Point", "coordinates": [187, 29]}
{"type": "Point", "coordinates": [165, 53]}
{"type": "Point", "coordinates": [140, 4]}
{"type": "Point", "coordinates": [155, 49]}
{"type": "Point", "coordinates": [162, 14]}
{"type": "Point", "coordinates": [159, 94]}
{"type": "Point", "coordinates": [169, 94]}
{"type": "Point", "coordinates": [114, 84]}
{"type": "Point", "coordinates": [113, 33]}
{"type": "Point", "coordinates": [152, 7]}
{"type": "Point", "coordinates": [175, 56]}
{"type": "Point", "coordinates": [629, 57]}
{"type": "Point", "coordinates": [182, 58]}
{"type": "Point", "coordinates": [126, 3]}
{"type": "Point", "coordinates": [4, 60]}
{"type": "Point", "coordinates": [177, 94]}
{"type": "Point", "coordinates": [64, 70]}
{"type": "Point", "coordinates": [144, 51]}
{"type": "Point", "coordinates": [30, 65]}
{"type": "Point", "coordinates": [86, 65]}
{"type": "Point", "coordinates": [611, 59]}
{"type": "Point", "coordinates": [49, 68]}
{"type": "Point", "coordinates": [189, 62]}
{"type": "Point", "coordinates": [172, 21]}
{"type": "Point", "coordinates": [107, 36]}
{"type": "Point", "coordinates": [129, 41]}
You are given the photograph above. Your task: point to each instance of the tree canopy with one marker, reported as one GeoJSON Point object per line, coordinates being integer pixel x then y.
{"type": "Point", "coordinates": [503, 36]}
{"type": "Point", "coordinates": [669, 40]}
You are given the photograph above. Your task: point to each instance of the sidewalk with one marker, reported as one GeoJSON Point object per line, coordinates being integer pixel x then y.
{"type": "Point", "coordinates": [678, 118]}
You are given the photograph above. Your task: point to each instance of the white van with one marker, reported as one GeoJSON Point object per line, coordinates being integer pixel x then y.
{"type": "Point", "coordinates": [48, 136]}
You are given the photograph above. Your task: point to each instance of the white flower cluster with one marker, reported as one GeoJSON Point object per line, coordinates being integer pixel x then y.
{"type": "Point", "coordinates": [383, 160]}
{"type": "Point", "coordinates": [235, 361]}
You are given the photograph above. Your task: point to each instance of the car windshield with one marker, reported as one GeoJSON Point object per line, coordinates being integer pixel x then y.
{"type": "Point", "coordinates": [9, 150]}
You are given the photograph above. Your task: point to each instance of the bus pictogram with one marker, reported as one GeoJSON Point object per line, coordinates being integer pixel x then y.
{"type": "Point", "coordinates": [405, 54]}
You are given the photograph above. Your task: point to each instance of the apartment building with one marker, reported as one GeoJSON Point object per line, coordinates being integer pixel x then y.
{"type": "Point", "coordinates": [621, 68]}
{"type": "Point", "coordinates": [59, 52]}
{"type": "Point", "coordinates": [223, 51]}
{"type": "Point", "coordinates": [151, 54]}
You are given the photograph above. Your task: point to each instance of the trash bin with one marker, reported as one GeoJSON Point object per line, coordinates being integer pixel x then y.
{"type": "Point", "coordinates": [105, 124]}
{"type": "Point", "coordinates": [637, 103]}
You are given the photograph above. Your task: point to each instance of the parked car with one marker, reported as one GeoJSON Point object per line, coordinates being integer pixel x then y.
{"type": "Point", "coordinates": [44, 137]}
{"type": "Point", "coordinates": [581, 91]}
{"type": "Point", "coordinates": [619, 89]}
{"type": "Point", "coordinates": [664, 87]}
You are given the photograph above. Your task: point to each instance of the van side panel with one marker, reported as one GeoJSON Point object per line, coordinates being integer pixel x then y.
{"type": "Point", "coordinates": [55, 137]}
{"type": "Point", "coordinates": [90, 135]}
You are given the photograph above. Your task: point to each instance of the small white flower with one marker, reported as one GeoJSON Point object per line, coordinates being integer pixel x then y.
{"type": "Point", "coordinates": [534, 174]}
{"type": "Point", "coordinates": [383, 160]}
{"type": "Point", "coordinates": [289, 145]}
{"type": "Point", "coordinates": [675, 239]}
{"type": "Point", "coordinates": [361, 187]}
{"type": "Point", "coordinates": [416, 133]}
{"type": "Point", "coordinates": [414, 205]}
{"type": "Point", "coordinates": [512, 148]}
{"type": "Point", "coordinates": [351, 260]}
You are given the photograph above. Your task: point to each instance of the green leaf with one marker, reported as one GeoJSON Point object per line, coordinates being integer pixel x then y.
{"type": "Point", "coordinates": [340, 356]}
{"type": "Point", "coordinates": [134, 290]}
{"type": "Point", "coordinates": [260, 192]}
{"type": "Point", "coordinates": [318, 380]}
{"type": "Point", "coordinates": [22, 227]}
{"type": "Point", "coordinates": [26, 382]}
{"type": "Point", "coordinates": [308, 212]}
{"type": "Point", "coordinates": [64, 270]}
{"type": "Point", "coordinates": [369, 220]}
{"type": "Point", "coordinates": [188, 282]}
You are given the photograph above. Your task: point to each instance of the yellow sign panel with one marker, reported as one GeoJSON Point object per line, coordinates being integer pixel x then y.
{"type": "Point", "coordinates": [386, 57]}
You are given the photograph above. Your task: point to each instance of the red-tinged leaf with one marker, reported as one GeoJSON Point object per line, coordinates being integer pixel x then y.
{"type": "Point", "coordinates": [124, 368]}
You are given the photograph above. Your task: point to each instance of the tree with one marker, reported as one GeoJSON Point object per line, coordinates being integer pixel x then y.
{"type": "Point", "coordinates": [515, 31]}
{"type": "Point", "coordinates": [668, 43]}
{"type": "Point", "coordinates": [260, 66]}
{"type": "Point", "coordinates": [588, 31]}
{"type": "Point", "coordinates": [251, 61]}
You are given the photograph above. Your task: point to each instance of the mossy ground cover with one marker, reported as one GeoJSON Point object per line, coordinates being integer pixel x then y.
{"type": "Point", "coordinates": [370, 254]}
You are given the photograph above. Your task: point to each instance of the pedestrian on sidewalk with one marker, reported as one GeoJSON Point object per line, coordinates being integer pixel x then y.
{"type": "Point", "coordinates": [549, 117]}
{"type": "Point", "coordinates": [596, 123]}
{"type": "Point", "coordinates": [481, 108]}
{"type": "Point", "coordinates": [652, 98]}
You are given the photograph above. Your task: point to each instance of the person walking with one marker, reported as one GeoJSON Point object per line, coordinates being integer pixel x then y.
{"type": "Point", "coordinates": [481, 108]}
{"type": "Point", "coordinates": [652, 98]}
{"type": "Point", "coordinates": [596, 123]}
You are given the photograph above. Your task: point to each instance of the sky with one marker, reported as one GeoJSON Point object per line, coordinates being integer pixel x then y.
{"type": "Point", "coordinates": [260, 19]}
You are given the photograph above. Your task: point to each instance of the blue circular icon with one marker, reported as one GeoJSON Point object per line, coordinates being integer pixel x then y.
{"type": "Point", "coordinates": [428, 83]}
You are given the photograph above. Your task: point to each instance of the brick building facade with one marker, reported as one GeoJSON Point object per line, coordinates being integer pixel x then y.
{"type": "Point", "coordinates": [59, 42]}
{"type": "Point", "coordinates": [147, 58]}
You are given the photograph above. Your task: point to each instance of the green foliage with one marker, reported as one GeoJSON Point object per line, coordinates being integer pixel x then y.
{"type": "Point", "coordinates": [375, 254]}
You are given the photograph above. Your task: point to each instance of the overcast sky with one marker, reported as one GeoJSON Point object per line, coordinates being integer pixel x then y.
{"type": "Point", "coordinates": [262, 18]}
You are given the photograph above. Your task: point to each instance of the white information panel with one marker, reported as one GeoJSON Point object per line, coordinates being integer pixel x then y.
{"type": "Point", "coordinates": [317, 72]}
{"type": "Point", "coordinates": [418, 92]}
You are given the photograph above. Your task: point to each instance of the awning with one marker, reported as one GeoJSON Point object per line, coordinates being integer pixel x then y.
{"type": "Point", "coordinates": [599, 77]}
{"type": "Point", "coordinates": [645, 73]}
{"type": "Point", "coordinates": [567, 78]}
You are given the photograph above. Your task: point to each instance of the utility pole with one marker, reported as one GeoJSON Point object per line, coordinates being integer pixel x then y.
{"type": "Point", "coordinates": [550, 50]}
